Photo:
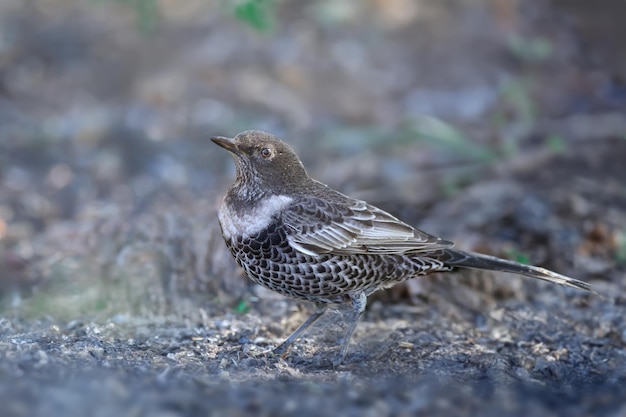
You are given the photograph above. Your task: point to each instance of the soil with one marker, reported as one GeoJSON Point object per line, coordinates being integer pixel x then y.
{"type": "Point", "coordinates": [494, 124]}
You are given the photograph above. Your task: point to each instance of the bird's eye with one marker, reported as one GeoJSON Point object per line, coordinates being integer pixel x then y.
{"type": "Point", "coordinates": [266, 152]}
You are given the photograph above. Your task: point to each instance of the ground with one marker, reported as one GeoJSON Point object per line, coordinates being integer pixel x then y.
{"type": "Point", "coordinates": [493, 124]}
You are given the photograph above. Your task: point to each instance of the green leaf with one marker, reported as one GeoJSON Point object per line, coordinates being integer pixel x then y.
{"type": "Point", "coordinates": [517, 256]}
{"type": "Point", "coordinates": [242, 307]}
{"type": "Point", "coordinates": [256, 13]}
{"type": "Point", "coordinates": [556, 143]}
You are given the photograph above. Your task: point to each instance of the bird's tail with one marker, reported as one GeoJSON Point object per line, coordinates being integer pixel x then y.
{"type": "Point", "coordinates": [473, 260]}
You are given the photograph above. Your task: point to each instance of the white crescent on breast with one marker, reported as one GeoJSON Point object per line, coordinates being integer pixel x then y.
{"type": "Point", "coordinates": [254, 220]}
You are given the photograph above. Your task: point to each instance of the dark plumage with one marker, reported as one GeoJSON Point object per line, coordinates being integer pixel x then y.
{"type": "Point", "coordinates": [298, 237]}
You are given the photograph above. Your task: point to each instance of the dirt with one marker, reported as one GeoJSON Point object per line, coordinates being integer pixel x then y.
{"type": "Point", "coordinates": [497, 125]}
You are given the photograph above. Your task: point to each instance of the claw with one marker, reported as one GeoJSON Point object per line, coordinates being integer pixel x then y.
{"type": "Point", "coordinates": [337, 360]}
{"type": "Point", "coordinates": [281, 351]}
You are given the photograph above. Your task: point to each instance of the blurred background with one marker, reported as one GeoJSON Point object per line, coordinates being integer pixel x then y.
{"type": "Point", "coordinates": [496, 123]}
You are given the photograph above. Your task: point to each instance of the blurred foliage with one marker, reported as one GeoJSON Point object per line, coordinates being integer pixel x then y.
{"type": "Point", "coordinates": [516, 116]}
{"type": "Point", "coordinates": [534, 50]}
{"type": "Point", "coordinates": [620, 254]}
{"type": "Point", "coordinates": [517, 256]}
{"type": "Point", "coordinates": [146, 12]}
{"type": "Point", "coordinates": [65, 297]}
{"type": "Point", "coordinates": [516, 94]}
{"type": "Point", "coordinates": [556, 143]}
{"type": "Point", "coordinates": [242, 307]}
{"type": "Point", "coordinates": [348, 139]}
{"type": "Point", "coordinates": [436, 133]}
{"type": "Point", "coordinates": [467, 156]}
{"type": "Point", "coordinates": [430, 131]}
{"type": "Point", "coordinates": [259, 14]}
{"type": "Point", "coordinates": [452, 184]}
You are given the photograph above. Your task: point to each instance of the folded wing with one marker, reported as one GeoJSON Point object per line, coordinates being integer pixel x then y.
{"type": "Point", "coordinates": [318, 226]}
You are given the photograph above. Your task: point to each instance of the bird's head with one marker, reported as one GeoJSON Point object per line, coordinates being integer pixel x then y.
{"type": "Point", "coordinates": [264, 164]}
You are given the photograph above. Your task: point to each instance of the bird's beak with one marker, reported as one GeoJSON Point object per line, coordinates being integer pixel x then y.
{"type": "Point", "coordinates": [226, 143]}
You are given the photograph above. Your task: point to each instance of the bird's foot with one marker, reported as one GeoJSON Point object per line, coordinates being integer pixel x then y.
{"type": "Point", "coordinates": [281, 350]}
{"type": "Point", "coordinates": [337, 360]}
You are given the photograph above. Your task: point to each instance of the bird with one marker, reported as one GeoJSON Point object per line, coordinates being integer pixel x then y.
{"type": "Point", "coordinates": [299, 237]}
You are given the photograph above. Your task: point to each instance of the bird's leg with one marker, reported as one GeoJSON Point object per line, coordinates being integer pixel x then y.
{"type": "Point", "coordinates": [283, 347]}
{"type": "Point", "coordinates": [359, 302]}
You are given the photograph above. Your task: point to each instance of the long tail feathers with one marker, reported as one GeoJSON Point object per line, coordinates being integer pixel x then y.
{"type": "Point", "coordinates": [479, 261]}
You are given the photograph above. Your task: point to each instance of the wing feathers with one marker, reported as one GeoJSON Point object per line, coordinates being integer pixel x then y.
{"type": "Point", "coordinates": [317, 226]}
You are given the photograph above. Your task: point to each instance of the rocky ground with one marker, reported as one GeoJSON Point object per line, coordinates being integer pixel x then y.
{"type": "Point", "coordinates": [494, 124]}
